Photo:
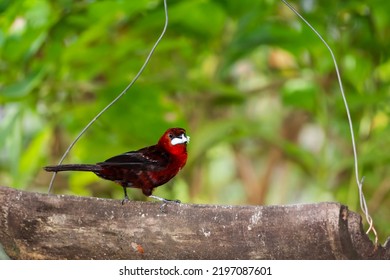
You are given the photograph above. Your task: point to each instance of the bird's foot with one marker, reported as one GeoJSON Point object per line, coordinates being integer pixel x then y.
{"type": "Point", "coordinates": [125, 199]}
{"type": "Point", "coordinates": [164, 199]}
{"type": "Point", "coordinates": [165, 202]}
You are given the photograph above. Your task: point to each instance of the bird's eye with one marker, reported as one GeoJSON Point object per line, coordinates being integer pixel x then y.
{"type": "Point", "coordinates": [170, 135]}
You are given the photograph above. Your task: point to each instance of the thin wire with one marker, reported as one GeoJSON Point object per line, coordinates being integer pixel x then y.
{"type": "Point", "coordinates": [118, 97]}
{"type": "Point", "coordinates": [363, 204]}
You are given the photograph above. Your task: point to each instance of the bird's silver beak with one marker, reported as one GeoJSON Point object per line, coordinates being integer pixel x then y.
{"type": "Point", "coordinates": [180, 140]}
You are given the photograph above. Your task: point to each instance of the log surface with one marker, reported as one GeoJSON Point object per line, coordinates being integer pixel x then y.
{"type": "Point", "coordinates": [41, 226]}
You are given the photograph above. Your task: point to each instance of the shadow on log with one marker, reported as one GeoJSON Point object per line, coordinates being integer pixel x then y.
{"type": "Point", "coordinates": [40, 226]}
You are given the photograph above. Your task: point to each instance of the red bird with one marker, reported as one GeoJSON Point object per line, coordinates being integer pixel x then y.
{"type": "Point", "coordinates": [144, 169]}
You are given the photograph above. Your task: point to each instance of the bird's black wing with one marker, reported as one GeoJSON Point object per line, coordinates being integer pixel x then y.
{"type": "Point", "coordinates": [150, 158]}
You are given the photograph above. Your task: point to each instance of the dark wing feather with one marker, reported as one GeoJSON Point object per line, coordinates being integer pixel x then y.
{"type": "Point", "coordinates": [150, 158]}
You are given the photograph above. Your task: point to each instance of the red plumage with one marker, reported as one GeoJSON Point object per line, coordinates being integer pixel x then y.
{"type": "Point", "coordinates": [145, 169]}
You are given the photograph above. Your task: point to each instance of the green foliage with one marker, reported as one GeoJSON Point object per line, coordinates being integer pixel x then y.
{"type": "Point", "coordinates": [254, 87]}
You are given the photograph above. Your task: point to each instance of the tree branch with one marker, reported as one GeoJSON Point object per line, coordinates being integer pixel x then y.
{"type": "Point", "coordinates": [40, 226]}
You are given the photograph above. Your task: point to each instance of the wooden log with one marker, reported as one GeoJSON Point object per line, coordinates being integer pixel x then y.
{"type": "Point", "coordinates": [41, 226]}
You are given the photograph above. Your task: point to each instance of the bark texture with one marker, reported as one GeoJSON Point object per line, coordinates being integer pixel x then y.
{"type": "Point", "coordinates": [40, 226]}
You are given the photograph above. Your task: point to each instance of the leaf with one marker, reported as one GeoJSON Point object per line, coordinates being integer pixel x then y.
{"type": "Point", "coordinates": [212, 133]}
{"type": "Point", "coordinates": [22, 88]}
{"type": "Point", "coordinates": [300, 93]}
{"type": "Point", "coordinates": [32, 157]}
{"type": "Point", "coordinates": [202, 17]}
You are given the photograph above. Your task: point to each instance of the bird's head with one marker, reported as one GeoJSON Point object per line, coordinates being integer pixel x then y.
{"type": "Point", "coordinates": [175, 140]}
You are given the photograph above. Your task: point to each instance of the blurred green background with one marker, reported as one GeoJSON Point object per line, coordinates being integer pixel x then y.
{"type": "Point", "coordinates": [254, 87]}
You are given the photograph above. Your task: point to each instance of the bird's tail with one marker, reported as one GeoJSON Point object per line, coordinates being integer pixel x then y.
{"type": "Point", "coordinates": [73, 167]}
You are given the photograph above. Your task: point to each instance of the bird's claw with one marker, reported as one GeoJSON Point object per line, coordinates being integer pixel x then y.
{"type": "Point", "coordinates": [163, 208]}
{"type": "Point", "coordinates": [174, 201]}
{"type": "Point", "coordinates": [165, 202]}
{"type": "Point", "coordinates": [164, 199]}
{"type": "Point", "coordinates": [125, 199]}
